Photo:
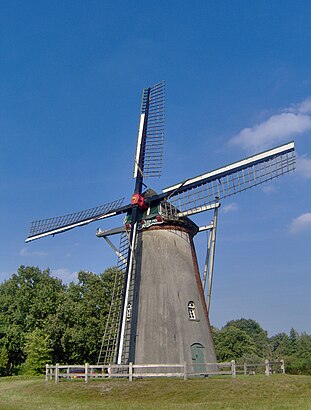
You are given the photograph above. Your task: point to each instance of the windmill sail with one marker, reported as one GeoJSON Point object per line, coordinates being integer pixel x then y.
{"type": "Point", "coordinates": [150, 138]}
{"type": "Point", "coordinates": [53, 226]}
{"type": "Point", "coordinates": [197, 194]}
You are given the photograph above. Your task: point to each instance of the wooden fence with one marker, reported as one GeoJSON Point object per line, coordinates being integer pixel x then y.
{"type": "Point", "coordinates": [131, 371]}
{"type": "Point", "coordinates": [268, 367]}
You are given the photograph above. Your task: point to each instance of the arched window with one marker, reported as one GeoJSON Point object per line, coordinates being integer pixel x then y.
{"type": "Point", "coordinates": [129, 312]}
{"type": "Point", "coordinates": [191, 311]}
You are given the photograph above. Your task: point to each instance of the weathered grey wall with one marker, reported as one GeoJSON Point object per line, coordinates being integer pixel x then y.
{"type": "Point", "coordinates": [167, 280]}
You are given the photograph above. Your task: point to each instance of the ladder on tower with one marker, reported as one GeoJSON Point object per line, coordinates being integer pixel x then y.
{"type": "Point", "coordinates": [108, 350]}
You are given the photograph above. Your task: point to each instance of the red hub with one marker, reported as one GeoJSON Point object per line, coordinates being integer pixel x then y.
{"type": "Point", "coordinates": [138, 199]}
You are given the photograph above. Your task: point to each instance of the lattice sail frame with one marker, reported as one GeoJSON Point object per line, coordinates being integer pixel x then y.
{"type": "Point", "coordinates": [197, 194]}
{"type": "Point", "coordinates": [52, 226]}
{"type": "Point", "coordinates": [151, 130]}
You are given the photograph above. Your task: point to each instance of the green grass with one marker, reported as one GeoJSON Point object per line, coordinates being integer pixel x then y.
{"type": "Point", "coordinates": [244, 392]}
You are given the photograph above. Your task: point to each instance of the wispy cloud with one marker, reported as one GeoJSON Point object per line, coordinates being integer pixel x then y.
{"type": "Point", "coordinates": [26, 252]}
{"type": "Point", "coordinates": [277, 128]}
{"type": "Point", "coordinates": [304, 107]}
{"type": "Point", "coordinates": [65, 275]}
{"type": "Point", "coordinates": [301, 223]}
{"type": "Point", "coordinates": [304, 166]}
{"type": "Point", "coordinates": [229, 208]}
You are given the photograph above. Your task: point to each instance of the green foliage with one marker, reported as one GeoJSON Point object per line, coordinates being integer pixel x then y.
{"type": "Point", "coordinates": [27, 300]}
{"type": "Point", "coordinates": [295, 349]}
{"type": "Point", "coordinates": [280, 345]}
{"type": "Point", "coordinates": [255, 332]}
{"type": "Point", "coordinates": [4, 361]}
{"type": "Point", "coordinates": [81, 318]}
{"type": "Point", "coordinates": [245, 340]}
{"type": "Point", "coordinates": [38, 352]}
{"type": "Point", "coordinates": [42, 319]}
{"type": "Point", "coordinates": [232, 343]}
{"type": "Point", "coordinates": [241, 339]}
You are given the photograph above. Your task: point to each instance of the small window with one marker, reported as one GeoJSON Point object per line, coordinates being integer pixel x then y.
{"type": "Point", "coordinates": [129, 312]}
{"type": "Point", "coordinates": [191, 311]}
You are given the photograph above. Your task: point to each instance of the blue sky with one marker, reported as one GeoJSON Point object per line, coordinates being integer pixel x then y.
{"type": "Point", "coordinates": [238, 81]}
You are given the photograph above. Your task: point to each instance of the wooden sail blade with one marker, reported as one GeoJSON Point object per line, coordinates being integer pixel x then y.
{"type": "Point", "coordinates": [150, 140]}
{"type": "Point", "coordinates": [53, 226]}
{"type": "Point", "coordinates": [197, 194]}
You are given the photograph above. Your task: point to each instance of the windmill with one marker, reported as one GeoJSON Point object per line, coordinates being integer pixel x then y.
{"type": "Point", "coordinates": [158, 312]}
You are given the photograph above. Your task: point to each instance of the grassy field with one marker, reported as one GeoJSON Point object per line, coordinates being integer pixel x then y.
{"type": "Point", "coordinates": [244, 392]}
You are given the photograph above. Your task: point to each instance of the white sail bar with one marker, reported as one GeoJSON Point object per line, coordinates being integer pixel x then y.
{"type": "Point", "coordinates": [139, 144]}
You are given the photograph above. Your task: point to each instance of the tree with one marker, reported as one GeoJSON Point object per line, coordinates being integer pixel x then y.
{"type": "Point", "coordinates": [38, 352]}
{"type": "Point", "coordinates": [41, 318]}
{"type": "Point", "coordinates": [80, 319]}
{"type": "Point", "coordinates": [27, 301]}
{"type": "Point", "coordinates": [303, 344]}
{"type": "Point", "coordinates": [232, 343]}
{"type": "Point", "coordinates": [4, 361]}
{"type": "Point", "coordinates": [280, 346]}
{"type": "Point", "coordinates": [258, 335]}
{"type": "Point", "coordinates": [293, 337]}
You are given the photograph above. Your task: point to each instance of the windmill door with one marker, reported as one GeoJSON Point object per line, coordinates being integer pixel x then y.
{"type": "Point", "coordinates": [198, 357]}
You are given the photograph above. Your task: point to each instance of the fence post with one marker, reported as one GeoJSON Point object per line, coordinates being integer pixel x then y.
{"type": "Point", "coordinates": [86, 373]}
{"type": "Point", "coordinates": [46, 372]}
{"type": "Point", "coordinates": [267, 371]}
{"type": "Point", "coordinates": [282, 366]}
{"type": "Point", "coordinates": [245, 369]}
{"type": "Point", "coordinates": [185, 371]}
{"type": "Point", "coordinates": [233, 370]}
{"type": "Point", "coordinates": [130, 371]}
{"type": "Point", "coordinates": [56, 373]}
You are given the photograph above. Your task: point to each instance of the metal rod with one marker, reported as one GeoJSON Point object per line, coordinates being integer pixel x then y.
{"type": "Point", "coordinates": [119, 254]}
{"type": "Point", "coordinates": [207, 257]}
{"type": "Point", "coordinates": [211, 260]}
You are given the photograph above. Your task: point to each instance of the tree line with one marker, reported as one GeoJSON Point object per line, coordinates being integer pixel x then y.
{"type": "Point", "coordinates": [43, 320]}
{"type": "Point", "coordinates": [245, 340]}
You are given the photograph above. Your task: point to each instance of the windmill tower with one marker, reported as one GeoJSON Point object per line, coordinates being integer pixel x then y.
{"type": "Point", "coordinates": [159, 313]}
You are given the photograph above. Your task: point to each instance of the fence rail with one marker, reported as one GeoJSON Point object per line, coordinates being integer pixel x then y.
{"type": "Point", "coordinates": [131, 371]}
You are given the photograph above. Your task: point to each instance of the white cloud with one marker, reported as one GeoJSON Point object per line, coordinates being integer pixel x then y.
{"type": "Point", "coordinates": [277, 128]}
{"type": "Point", "coordinates": [25, 252]}
{"type": "Point", "coordinates": [65, 275]}
{"type": "Point", "coordinates": [229, 208]}
{"type": "Point", "coordinates": [305, 106]}
{"type": "Point", "coordinates": [304, 166]}
{"type": "Point", "coordinates": [301, 223]}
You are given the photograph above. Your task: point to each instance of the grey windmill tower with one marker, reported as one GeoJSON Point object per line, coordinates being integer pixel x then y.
{"type": "Point", "coordinates": [159, 313]}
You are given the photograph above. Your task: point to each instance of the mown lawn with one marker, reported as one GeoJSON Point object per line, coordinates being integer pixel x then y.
{"type": "Point", "coordinates": [244, 392]}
